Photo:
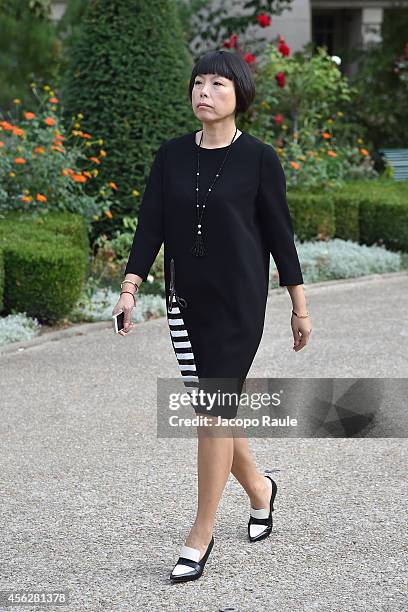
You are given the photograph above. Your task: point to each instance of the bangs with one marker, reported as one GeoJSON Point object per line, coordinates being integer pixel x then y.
{"type": "Point", "coordinates": [213, 64]}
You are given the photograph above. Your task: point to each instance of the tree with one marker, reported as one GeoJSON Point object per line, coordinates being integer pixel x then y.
{"type": "Point", "coordinates": [380, 104]}
{"type": "Point", "coordinates": [29, 48]}
{"type": "Point", "coordinates": [128, 76]}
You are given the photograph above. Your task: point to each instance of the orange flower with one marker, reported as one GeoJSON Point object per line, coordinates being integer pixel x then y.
{"type": "Point", "coordinates": [54, 100]}
{"type": "Point", "coordinates": [26, 199]}
{"type": "Point", "coordinates": [60, 149]}
{"type": "Point", "coordinates": [59, 136]}
{"type": "Point", "coordinates": [18, 131]}
{"type": "Point", "coordinates": [332, 153]}
{"type": "Point", "coordinates": [113, 185]}
{"type": "Point", "coordinates": [79, 178]}
{"type": "Point", "coordinates": [295, 165]}
{"type": "Point", "coordinates": [326, 135]}
{"type": "Point", "coordinates": [1, 144]}
{"type": "Point", "coordinates": [40, 197]}
{"type": "Point", "coordinates": [95, 160]}
{"type": "Point", "coordinates": [88, 174]}
{"type": "Point", "coordinates": [19, 160]}
{"type": "Point", "coordinates": [364, 152]}
{"type": "Point", "coordinates": [85, 135]}
{"type": "Point", "coordinates": [29, 115]}
{"type": "Point", "coordinates": [49, 121]}
{"type": "Point", "coordinates": [108, 214]}
{"type": "Point", "coordinates": [39, 150]}
{"type": "Point", "coordinates": [67, 171]}
{"type": "Point", "coordinates": [6, 125]}
{"type": "Point", "coordinates": [102, 153]}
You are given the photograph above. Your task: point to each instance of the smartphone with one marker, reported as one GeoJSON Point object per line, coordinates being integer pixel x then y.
{"type": "Point", "coordinates": [118, 321]}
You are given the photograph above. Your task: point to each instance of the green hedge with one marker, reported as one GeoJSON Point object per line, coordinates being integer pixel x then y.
{"type": "Point", "coordinates": [44, 264]}
{"type": "Point", "coordinates": [362, 211]}
{"type": "Point", "coordinates": [312, 214]}
{"type": "Point", "coordinates": [347, 216]}
{"type": "Point", "coordinates": [61, 223]}
{"type": "Point", "coordinates": [383, 211]}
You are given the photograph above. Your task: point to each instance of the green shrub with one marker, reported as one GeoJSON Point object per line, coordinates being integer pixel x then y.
{"type": "Point", "coordinates": [346, 215]}
{"type": "Point", "coordinates": [380, 102]}
{"type": "Point", "coordinates": [312, 214]}
{"type": "Point", "coordinates": [45, 259]}
{"type": "Point", "coordinates": [18, 328]}
{"type": "Point", "coordinates": [29, 47]}
{"type": "Point", "coordinates": [383, 211]}
{"type": "Point", "coordinates": [324, 260]}
{"type": "Point", "coordinates": [65, 224]}
{"type": "Point", "coordinates": [362, 211]}
{"type": "Point", "coordinates": [45, 168]}
{"type": "Point", "coordinates": [43, 277]}
{"type": "Point", "coordinates": [384, 222]}
{"type": "Point", "coordinates": [108, 264]}
{"type": "Point", "coordinates": [298, 110]}
{"type": "Point", "coordinates": [128, 76]}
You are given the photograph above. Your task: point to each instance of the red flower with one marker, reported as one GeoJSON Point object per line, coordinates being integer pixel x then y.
{"type": "Point", "coordinates": [231, 42]}
{"type": "Point", "coordinates": [279, 118]}
{"type": "Point", "coordinates": [249, 58]}
{"type": "Point", "coordinates": [264, 20]}
{"type": "Point", "coordinates": [284, 49]}
{"type": "Point", "coordinates": [280, 79]}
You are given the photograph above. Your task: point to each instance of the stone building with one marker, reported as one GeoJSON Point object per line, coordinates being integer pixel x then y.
{"type": "Point", "coordinates": [341, 25]}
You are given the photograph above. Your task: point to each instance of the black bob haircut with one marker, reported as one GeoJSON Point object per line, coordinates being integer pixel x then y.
{"type": "Point", "coordinates": [232, 66]}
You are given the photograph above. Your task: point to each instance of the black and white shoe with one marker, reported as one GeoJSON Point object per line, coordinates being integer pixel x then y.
{"type": "Point", "coordinates": [188, 566]}
{"type": "Point", "coordinates": [260, 521]}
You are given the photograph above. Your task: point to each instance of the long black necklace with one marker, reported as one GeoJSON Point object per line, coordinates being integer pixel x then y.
{"type": "Point", "coordinates": [198, 247]}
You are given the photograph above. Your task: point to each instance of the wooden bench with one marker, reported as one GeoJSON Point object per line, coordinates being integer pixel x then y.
{"type": "Point", "coordinates": [398, 160]}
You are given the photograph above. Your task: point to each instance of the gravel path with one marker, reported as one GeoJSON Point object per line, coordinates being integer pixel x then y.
{"type": "Point", "coordinates": [92, 502]}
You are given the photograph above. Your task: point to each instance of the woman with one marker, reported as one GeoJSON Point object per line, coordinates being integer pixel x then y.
{"type": "Point", "coordinates": [216, 197]}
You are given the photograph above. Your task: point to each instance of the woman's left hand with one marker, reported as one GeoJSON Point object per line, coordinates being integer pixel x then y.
{"type": "Point", "coordinates": [301, 328]}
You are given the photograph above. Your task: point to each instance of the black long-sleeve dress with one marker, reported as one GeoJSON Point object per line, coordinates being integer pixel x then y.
{"type": "Point", "coordinates": [216, 303]}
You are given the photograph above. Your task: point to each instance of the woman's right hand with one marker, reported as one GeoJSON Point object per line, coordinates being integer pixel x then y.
{"type": "Point", "coordinates": [125, 303]}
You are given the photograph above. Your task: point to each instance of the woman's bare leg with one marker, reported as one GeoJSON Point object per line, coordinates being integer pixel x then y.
{"type": "Point", "coordinates": [214, 461]}
{"type": "Point", "coordinates": [245, 471]}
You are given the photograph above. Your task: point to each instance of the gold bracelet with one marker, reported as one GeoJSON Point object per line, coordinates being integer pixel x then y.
{"type": "Point", "coordinates": [301, 316]}
{"type": "Point", "coordinates": [129, 281]}
{"type": "Point", "coordinates": [132, 294]}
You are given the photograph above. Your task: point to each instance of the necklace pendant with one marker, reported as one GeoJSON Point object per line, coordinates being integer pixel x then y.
{"type": "Point", "coordinates": [198, 246]}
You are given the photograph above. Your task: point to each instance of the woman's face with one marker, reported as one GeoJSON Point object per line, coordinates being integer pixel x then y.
{"type": "Point", "coordinates": [217, 92]}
